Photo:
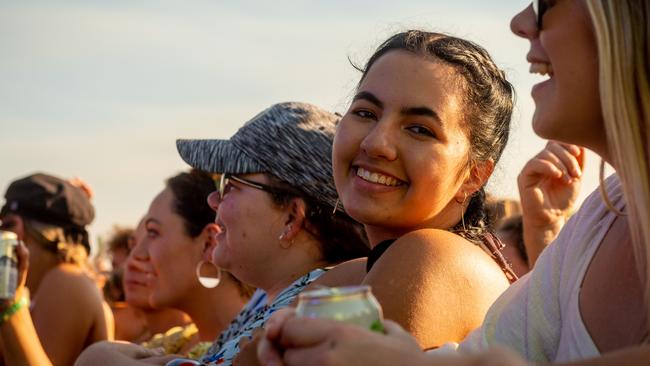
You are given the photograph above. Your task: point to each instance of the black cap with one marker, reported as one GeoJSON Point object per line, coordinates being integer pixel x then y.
{"type": "Point", "coordinates": [50, 200]}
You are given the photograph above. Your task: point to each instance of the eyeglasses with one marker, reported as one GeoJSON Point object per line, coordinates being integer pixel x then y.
{"type": "Point", "coordinates": [224, 183]}
{"type": "Point", "coordinates": [539, 7]}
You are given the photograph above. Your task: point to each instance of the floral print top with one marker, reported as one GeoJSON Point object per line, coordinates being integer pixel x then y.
{"type": "Point", "coordinates": [253, 316]}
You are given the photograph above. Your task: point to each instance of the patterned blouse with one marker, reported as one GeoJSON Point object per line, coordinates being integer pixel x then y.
{"type": "Point", "coordinates": [253, 316]}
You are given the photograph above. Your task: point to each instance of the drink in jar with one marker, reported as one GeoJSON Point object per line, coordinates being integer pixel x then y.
{"type": "Point", "coordinates": [351, 304]}
{"type": "Point", "coordinates": [8, 265]}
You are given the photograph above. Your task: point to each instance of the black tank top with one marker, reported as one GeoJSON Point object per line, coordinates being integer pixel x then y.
{"type": "Point", "coordinates": [376, 252]}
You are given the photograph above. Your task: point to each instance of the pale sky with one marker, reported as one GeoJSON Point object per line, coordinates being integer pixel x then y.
{"type": "Point", "coordinates": [102, 89]}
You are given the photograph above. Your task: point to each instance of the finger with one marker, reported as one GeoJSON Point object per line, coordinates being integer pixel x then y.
{"type": "Point", "coordinates": [581, 158]}
{"type": "Point", "coordinates": [538, 169]}
{"type": "Point", "coordinates": [274, 325]}
{"type": "Point", "coordinates": [393, 329]}
{"type": "Point", "coordinates": [267, 354]}
{"type": "Point", "coordinates": [306, 332]}
{"type": "Point", "coordinates": [243, 342]}
{"type": "Point", "coordinates": [567, 157]}
{"type": "Point", "coordinates": [22, 253]}
{"type": "Point", "coordinates": [317, 355]}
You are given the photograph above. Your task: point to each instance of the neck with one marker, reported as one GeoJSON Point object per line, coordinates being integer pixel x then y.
{"type": "Point", "coordinates": [212, 310]}
{"type": "Point", "coordinates": [161, 320]}
{"type": "Point", "coordinates": [292, 263]}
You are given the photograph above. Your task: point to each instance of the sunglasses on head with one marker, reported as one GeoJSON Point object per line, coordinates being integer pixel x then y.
{"type": "Point", "coordinates": [539, 7]}
{"type": "Point", "coordinates": [226, 180]}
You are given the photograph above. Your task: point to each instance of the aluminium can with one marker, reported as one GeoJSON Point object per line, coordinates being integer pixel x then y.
{"type": "Point", "coordinates": [350, 304]}
{"type": "Point", "coordinates": [8, 265]}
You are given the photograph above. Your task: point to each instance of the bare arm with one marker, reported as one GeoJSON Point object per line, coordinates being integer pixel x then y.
{"type": "Point", "coordinates": [435, 284]}
{"type": "Point", "coordinates": [20, 342]}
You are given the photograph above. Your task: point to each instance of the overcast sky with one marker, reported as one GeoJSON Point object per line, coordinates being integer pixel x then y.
{"type": "Point", "coordinates": [101, 89]}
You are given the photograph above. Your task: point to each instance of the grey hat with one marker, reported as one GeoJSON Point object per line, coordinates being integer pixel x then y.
{"type": "Point", "coordinates": [292, 141]}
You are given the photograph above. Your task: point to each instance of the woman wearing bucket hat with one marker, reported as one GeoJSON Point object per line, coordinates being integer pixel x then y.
{"type": "Point", "coordinates": [49, 215]}
{"type": "Point", "coordinates": [278, 226]}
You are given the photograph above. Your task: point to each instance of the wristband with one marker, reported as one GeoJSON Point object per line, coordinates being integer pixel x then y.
{"type": "Point", "coordinates": [13, 309]}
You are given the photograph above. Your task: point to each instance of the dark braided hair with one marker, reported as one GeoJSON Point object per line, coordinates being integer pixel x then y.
{"type": "Point", "coordinates": [488, 100]}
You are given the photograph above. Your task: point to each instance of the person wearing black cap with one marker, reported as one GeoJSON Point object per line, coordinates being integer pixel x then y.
{"type": "Point", "coordinates": [67, 313]}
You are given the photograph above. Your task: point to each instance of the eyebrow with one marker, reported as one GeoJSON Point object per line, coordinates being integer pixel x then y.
{"type": "Point", "coordinates": [408, 111]}
{"type": "Point", "coordinates": [421, 111]}
{"type": "Point", "coordinates": [368, 96]}
{"type": "Point", "coordinates": [152, 220]}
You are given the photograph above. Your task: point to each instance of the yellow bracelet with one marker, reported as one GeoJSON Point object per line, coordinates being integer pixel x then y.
{"type": "Point", "coordinates": [13, 309]}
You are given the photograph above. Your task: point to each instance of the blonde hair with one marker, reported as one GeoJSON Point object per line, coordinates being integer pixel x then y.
{"type": "Point", "coordinates": [622, 29]}
{"type": "Point", "coordinates": [54, 239]}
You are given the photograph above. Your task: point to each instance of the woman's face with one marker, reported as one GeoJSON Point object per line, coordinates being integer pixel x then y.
{"type": "Point", "coordinates": [565, 53]}
{"type": "Point", "coordinates": [137, 271]}
{"type": "Point", "coordinates": [172, 252]}
{"type": "Point", "coordinates": [250, 224]}
{"type": "Point", "coordinates": [400, 153]}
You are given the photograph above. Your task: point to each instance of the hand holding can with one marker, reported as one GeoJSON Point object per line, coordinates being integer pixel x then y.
{"type": "Point", "coordinates": [8, 265]}
{"type": "Point", "coordinates": [351, 304]}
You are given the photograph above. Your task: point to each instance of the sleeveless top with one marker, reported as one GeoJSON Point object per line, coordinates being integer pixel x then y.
{"type": "Point", "coordinates": [491, 244]}
{"type": "Point", "coordinates": [539, 315]}
{"type": "Point", "coordinates": [253, 316]}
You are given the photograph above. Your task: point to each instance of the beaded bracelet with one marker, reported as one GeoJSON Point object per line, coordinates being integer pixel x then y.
{"type": "Point", "coordinates": [13, 309]}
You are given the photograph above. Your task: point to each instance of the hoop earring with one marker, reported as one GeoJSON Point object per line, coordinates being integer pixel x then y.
{"type": "Point", "coordinates": [462, 212]}
{"type": "Point", "coordinates": [603, 192]}
{"type": "Point", "coordinates": [208, 282]}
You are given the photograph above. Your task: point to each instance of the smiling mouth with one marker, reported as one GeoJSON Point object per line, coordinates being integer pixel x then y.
{"type": "Point", "coordinates": [541, 68]}
{"type": "Point", "coordinates": [378, 178]}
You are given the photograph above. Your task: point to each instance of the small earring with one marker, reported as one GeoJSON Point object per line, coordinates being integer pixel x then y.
{"type": "Point", "coordinates": [336, 207]}
{"type": "Point", "coordinates": [462, 212]}
{"type": "Point", "coordinates": [208, 282]}
{"type": "Point", "coordinates": [285, 232]}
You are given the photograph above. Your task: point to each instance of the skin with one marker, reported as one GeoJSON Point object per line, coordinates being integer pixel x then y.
{"type": "Point", "coordinates": [244, 247]}
{"type": "Point", "coordinates": [38, 338]}
{"type": "Point", "coordinates": [414, 133]}
{"type": "Point", "coordinates": [565, 102]}
{"type": "Point", "coordinates": [618, 296]}
{"type": "Point", "coordinates": [549, 185]}
{"type": "Point", "coordinates": [609, 302]}
{"type": "Point", "coordinates": [174, 256]}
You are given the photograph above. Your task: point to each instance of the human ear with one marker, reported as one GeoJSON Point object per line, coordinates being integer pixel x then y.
{"type": "Point", "coordinates": [476, 178]}
{"type": "Point", "coordinates": [296, 210]}
{"type": "Point", "coordinates": [209, 235]}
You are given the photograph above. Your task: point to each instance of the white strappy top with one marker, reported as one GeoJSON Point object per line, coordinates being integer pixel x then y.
{"type": "Point", "coordinates": [539, 315]}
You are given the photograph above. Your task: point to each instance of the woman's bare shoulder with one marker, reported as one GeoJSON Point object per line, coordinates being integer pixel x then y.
{"type": "Point", "coordinates": [436, 277]}
{"type": "Point", "coordinates": [72, 282]}
{"type": "Point", "coordinates": [439, 249]}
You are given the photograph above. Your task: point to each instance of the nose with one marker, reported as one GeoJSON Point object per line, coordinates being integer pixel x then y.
{"type": "Point", "coordinates": [214, 200]}
{"type": "Point", "coordinates": [139, 251]}
{"type": "Point", "coordinates": [524, 24]}
{"type": "Point", "coordinates": [379, 142]}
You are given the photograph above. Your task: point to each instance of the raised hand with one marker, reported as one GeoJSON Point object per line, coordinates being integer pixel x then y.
{"type": "Point", "coordinates": [548, 188]}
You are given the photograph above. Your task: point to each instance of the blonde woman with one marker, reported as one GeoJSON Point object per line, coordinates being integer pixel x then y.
{"type": "Point", "coordinates": [586, 300]}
